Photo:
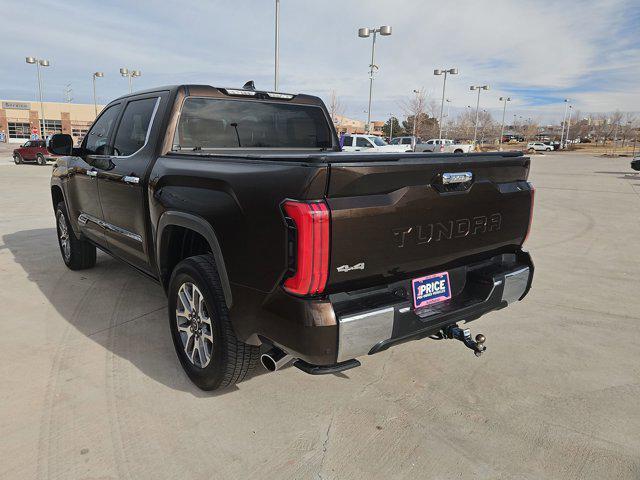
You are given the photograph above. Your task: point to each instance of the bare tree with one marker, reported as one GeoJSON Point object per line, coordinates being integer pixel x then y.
{"type": "Point", "coordinates": [335, 106]}
{"type": "Point", "coordinates": [629, 127]}
{"type": "Point", "coordinates": [414, 109]}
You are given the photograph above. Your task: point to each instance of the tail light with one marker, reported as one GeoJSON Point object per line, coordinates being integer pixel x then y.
{"type": "Point", "coordinates": [311, 247]}
{"type": "Point", "coordinates": [533, 195]}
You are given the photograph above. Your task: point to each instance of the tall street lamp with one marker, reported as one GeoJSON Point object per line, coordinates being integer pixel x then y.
{"type": "Point", "coordinates": [95, 101]}
{"type": "Point", "coordinates": [125, 72]}
{"type": "Point", "coordinates": [504, 110]}
{"type": "Point", "coordinates": [437, 71]}
{"type": "Point", "coordinates": [415, 115]}
{"type": "Point", "coordinates": [564, 121]}
{"type": "Point", "coordinates": [365, 32]}
{"type": "Point", "coordinates": [391, 118]}
{"type": "Point", "coordinates": [479, 88]}
{"type": "Point", "coordinates": [568, 124]}
{"type": "Point", "coordinates": [276, 72]}
{"type": "Point", "coordinates": [39, 63]}
{"type": "Point", "coordinates": [448, 100]}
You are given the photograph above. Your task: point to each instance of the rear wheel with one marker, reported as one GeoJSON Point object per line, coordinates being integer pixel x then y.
{"type": "Point", "coordinates": [77, 254]}
{"type": "Point", "coordinates": [458, 150]}
{"type": "Point", "coordinates": [531, 150]}
{"type": "Point", "coordinates": [205, 342]}
{"type": "Point", "coordinates": [17, 159]}
{"type": "Point", "coordinates": [40, 160]}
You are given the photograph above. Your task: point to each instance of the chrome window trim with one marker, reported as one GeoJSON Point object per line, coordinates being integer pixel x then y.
{"type": "Point", "coordinates": [146, 138]}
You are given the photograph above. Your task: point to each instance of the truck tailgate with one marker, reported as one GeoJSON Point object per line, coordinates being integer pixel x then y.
{"type": "Point", "coordinates": [394, 219]}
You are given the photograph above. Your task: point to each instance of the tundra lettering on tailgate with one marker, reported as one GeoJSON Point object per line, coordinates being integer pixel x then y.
{"type": "Point", "coordinates": [435, 232]}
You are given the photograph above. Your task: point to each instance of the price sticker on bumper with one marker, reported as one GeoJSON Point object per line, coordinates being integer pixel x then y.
{"type": "Point", "coordinates": [431, 289]}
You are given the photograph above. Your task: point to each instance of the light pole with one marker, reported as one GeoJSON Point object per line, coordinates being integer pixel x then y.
{"type": "Point", "coordinates": [504, 110]}
{"type": "Point", "coordinates": [391, 117]}
{"type": "Point", "coordinates": [95, 101]}
{"type": "Point", "coordinates": [479, 88]}
{"type": "Point", "coordinates": [448, 100]}
{"type": "Point", "coordinates": [276, 72]}
{"type": "Point", "coordinates": [568, 123]}
{"type": "Point", "coordinates": [438, 71]}
{"type": "Point", "coordinates": [564, 120]}
{"type": "Point", "coordinates": [125, 72]}
{"type": "Point", "coordinates": [365, 32]}
{"type": "Point", "coordinates": [39, 63]}
{"type": "Point", "coordinates": [415, 115]}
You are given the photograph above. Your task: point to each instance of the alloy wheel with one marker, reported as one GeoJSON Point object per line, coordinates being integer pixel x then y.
{"type": "Point", "coordinates": [63, 236]}
{"type": "Point", "coordinates": [194, 325]}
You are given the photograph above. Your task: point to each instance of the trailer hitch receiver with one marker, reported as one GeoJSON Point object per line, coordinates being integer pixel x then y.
{"type": "Point", "coordinates": [464, 335]}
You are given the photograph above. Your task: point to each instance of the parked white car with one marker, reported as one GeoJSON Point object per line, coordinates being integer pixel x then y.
{"type": "Point", "coordinates": [538, 147]}
{"type": "Point", "coordinates": [370, 143]}
{"type": "Point", "coordinates": [443, 145]}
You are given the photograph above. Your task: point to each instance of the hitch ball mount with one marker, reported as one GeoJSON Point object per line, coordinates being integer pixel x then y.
{"type": "Point", "coordinates": [464, 335]}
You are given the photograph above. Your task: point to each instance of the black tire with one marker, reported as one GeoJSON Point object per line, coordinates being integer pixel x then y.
{"type": "Point", "coordinates": [230, 359]}
{"type": "Point", "coordinates": [80, 254]}
{"type": "Point", "coordinates": [548, 149]}
{"type": "Point", "coordinates": [40, 160]}
{"type": "Point", "coordinates": [457, 150]}
{"type": "Point", "coordinates": [17, 159]}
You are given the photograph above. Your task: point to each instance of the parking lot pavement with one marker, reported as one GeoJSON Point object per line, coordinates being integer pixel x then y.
{"type": "Point", "coordinates": [91, 387]}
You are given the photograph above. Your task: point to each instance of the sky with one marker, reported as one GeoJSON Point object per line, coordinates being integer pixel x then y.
{"type": "Point", "coordinates": [537, 52]}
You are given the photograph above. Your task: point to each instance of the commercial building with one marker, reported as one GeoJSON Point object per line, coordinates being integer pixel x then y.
{"type": "Point", "coordinates": [349, 126]}
{"type": "Point", "coordinates": [20, 120]}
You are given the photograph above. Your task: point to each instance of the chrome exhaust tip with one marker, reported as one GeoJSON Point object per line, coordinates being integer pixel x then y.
{"type": "Point", "coordinates": [275, 359]}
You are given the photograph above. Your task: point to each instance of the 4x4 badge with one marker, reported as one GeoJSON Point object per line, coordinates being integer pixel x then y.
{"type": "Point", "coordinates": [347, 268]}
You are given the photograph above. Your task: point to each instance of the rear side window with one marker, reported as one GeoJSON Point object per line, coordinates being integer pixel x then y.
{"type": "Point", "coordinates": [97, 140]}
{"type": "Point", "coordinates": [406, 141]}
{"type": "Point", "coordinates": [132, 131]}
{"type": "Point", "coordinates": [210, 123]}
{"type": "Point", "coordinates": [347, 141]}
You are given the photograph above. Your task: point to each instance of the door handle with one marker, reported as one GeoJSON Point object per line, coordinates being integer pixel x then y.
{"type": "Point", "coordinates": [92, 173]}
{"type": "Point", "coordinates": [131, 180]}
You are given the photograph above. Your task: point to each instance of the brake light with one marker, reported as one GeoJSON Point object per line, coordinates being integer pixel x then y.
{"type": "Point", "coordinates": [311, 250]}
{"type": "Point", "coordinates": [533, 195]}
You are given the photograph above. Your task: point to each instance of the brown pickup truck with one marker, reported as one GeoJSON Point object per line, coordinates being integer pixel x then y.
{"type": "Point", "coordinates": [264, 234]}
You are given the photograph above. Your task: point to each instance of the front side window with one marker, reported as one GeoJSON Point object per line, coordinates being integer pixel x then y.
{"type": "Point", "coordinates": [378, 141]}
{"type": "Point", "coordinates": [362, 142]}
{"type": "Point", "coordinates": [132, 131]}
{"type": "Point", "coordinates": [406, 141]}
{"type": "Point", "coordinates": [210, 123]}
{"type": "Point", "coordinates": [395, 141]}
{"type": "Point", "coordinates": [98, 137]}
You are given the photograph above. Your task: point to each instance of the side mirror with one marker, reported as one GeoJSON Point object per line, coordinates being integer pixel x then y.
{"type": "Point", "coordinates": [61, 144]}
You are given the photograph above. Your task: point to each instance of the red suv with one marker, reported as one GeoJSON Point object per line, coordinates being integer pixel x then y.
{"type": "Point", "coordinates": [31, 151]}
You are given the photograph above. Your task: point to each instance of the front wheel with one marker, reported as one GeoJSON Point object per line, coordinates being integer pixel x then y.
{"type": "Point", "coordinates": [77, 254]}
{"type": "Point", "coordinates": [40, 160]}
{"type": "Point", "coordinates": [17, 159]}
{"type": "Point", "coordinates": [204, 339]}
{"type": "Point", "coordinates": [458, 150]}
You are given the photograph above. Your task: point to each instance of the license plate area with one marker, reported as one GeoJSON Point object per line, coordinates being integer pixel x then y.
{"type": "Point", "coordinates": [431, 289]}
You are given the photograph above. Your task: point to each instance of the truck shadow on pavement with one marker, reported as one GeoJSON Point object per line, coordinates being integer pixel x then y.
{"type": "Point", "coordinates": [111, 304]}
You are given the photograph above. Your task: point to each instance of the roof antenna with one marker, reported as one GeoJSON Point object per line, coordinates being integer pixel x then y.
{"type": "Point", "coordinates": [249, 85]}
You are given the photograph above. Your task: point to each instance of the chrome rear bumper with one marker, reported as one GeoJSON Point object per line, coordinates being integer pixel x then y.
{"type": "Point", "coordinates": [374, 330]}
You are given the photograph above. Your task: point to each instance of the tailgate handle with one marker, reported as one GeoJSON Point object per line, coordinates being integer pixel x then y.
{"type": "Point", "coordinates": [456, 177]}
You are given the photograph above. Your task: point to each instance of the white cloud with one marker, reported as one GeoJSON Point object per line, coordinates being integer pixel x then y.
{"type": "Point", "coordinates": [534, 51]}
